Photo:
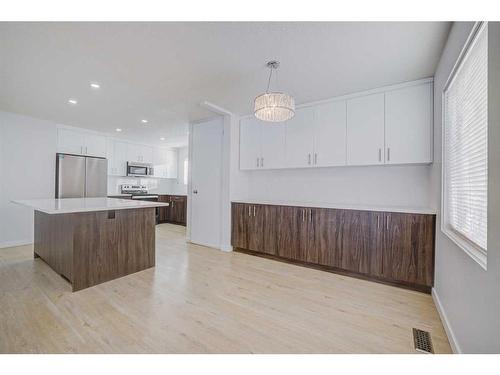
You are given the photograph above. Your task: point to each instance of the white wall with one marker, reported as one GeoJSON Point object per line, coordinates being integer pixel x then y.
{"type": "Point", "coordinates": [27, 156]}
{"type": "Point", "coordinates": [178, 186]}
{"type": "Point", "coordinates": [376, 185]}
{"type": "Point", "coordinates": [468, 295]}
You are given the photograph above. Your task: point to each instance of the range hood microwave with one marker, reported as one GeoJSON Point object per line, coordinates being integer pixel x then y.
{"type": "Point", "coordinates": [139, 169]}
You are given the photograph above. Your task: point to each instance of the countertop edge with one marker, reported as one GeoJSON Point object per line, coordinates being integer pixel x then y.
{"type": "Point", "coordinates": [394, 209]}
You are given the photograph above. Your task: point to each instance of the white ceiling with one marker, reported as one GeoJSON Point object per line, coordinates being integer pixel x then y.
{"type": "Point", "coordinates": [162, 71]}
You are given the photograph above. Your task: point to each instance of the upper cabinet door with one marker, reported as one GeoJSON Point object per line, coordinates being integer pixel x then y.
{"type": "Point", "coordinates": [70, 142]}
{"type": "Point", "coordinates": [134, 152]}
{"type": "Point", "coordinates": [365, 130]}
{"type": "Point", "coordinates": [172, 160]}
{"type": "Point", "coordinates": [120, 158]}
{"type": "Point", "coordinates": [95, 145]}
{"type": "Point", "coordinates": [408, 125]}
{"type": "Point", "coordinates": [146, 154]}
{"type": "Point", "coordinates": [250, 138]}
{"type": "Point", "coordinates": [330, 135]}
{"type": "Point", "coordinates": [300, 138]}
{"type": "Point", "coordinates": [272, 145]}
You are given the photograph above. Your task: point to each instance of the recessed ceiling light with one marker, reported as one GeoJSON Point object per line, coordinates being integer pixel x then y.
{"type": "Point", "coordinates": [95, 85]}
{"type": "Point", "coordinates": [118, 129]}
{"type": "Point", "coordinates": [162, 139]}
{"type": "Point", "coordinates": [144, 121]}
{"type": "Point", "coordinates": [72, 101]}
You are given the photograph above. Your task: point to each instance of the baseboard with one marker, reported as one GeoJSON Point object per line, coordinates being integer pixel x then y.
{"type": "Point", "coordinates": [4, 245]}
{"type": "Point", "coordinates": [446, 324]}
{"type": "Point", "coordinates": [226, 248]}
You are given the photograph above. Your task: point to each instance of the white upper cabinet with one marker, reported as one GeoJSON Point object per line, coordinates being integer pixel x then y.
{"type": "Point", "coordinates": [95, 145]}
{"type": "Point", "coordinates": [76, 142]}
{"type": "Point", "coordinates": [365, 130]}
{"type": "Point", "coordinates": [164, 163]}
{"type": "Point", "coordinates": [116, 153]}
{"type": "Point", "coordinates": [139, 153]}
{"type": "Point", "coordinates": [330, 134]}
{"type": "Point", "coordinates": [250, 147]}
{"type": "Point", "coordinates": [391, 126]}
{"type": "Point", "coordinates": [272, 145]}
{"type": "Point", "coordinates": [300, 138]}
{"type": "Point", "coordinates": [408, 125]}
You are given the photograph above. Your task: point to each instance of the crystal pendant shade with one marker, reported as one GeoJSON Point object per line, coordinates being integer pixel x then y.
{"type": "Point", "coordinates": [274, 107]}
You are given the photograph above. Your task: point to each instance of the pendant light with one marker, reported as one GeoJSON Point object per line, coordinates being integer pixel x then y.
{"type": "Point", "coordinates": [274, 106]}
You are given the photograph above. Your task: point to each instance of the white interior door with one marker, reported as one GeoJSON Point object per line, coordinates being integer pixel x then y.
{"type": "Point", "coordinates": [206, 183]}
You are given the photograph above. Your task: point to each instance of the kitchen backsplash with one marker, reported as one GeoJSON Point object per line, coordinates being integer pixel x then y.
{"type": "Point", "coordinates": [154, 185]}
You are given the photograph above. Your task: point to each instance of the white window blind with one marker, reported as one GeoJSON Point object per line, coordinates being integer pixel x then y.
{"type": "Point", "coordinates": [465, 149]}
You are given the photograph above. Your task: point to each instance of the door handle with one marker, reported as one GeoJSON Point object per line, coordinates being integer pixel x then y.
{"type": "Point", "coordinates": [195, 191]}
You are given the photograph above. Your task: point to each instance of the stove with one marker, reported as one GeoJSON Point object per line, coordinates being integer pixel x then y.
{"type": "Point", "coordinates": [140, 192]}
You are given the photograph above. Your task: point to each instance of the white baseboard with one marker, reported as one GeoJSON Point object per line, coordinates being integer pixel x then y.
{"type": "Point", "coordinates": [226, 248]}
{"type": "Point", "coordinates": [446, 324]}
{"type": "Point", "coordinates": [3, 245]}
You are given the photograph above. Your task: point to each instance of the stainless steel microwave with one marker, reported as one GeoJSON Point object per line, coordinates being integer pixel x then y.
{"type": "Point", "coordinates": [139, 169]}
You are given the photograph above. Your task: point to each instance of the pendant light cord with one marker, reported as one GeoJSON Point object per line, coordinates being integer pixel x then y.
{"type": "Point", "coordinates": [269, 80]}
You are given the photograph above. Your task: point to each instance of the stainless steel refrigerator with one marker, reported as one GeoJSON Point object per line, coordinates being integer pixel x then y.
{"type": "Point", "coordinates": [81, 176]}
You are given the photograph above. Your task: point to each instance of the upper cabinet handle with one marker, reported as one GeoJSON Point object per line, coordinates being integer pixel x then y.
{"type": "Point", "coordinates": [388, 153]}
{"type": "Point", "coordinates": [261, 162]}
{"type": "Point", "coordinates": [257, 162]}
{"type": "Point", "coordinates": [315, 158]}
{"type": "Point", "coordinates": [309, 159]}
{"type": "Point", "coordinates": [379, 154]}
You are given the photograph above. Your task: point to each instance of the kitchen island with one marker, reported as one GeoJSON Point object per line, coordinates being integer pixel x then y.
{"type": "Point", "coordinates": [92, 240]}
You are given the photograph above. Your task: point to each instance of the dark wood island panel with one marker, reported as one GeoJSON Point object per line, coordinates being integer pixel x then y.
{"type": "Point", "coordinates": [89, 248]}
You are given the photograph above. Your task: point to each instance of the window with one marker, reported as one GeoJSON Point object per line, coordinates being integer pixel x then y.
{"type": "Point", "coordinates": [465, 148]}
{"type": "Point", "coordinates": [185, 175]}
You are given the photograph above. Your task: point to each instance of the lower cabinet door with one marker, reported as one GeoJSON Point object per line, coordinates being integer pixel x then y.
{"type": "Point", "coordinates": [292, 236]}
{"type": "Point", "coordinates": [240, 215]}
{"type": "Point", "coordinates": [361, 251]}
{"type": "Point", "coordinates": [409, 248]}
{"type": "Point", "coordinates": [324, 237]}
{"type": "Point", "coordinates": [262, 229]}
{"type": "Point", "coordinates": [164, 211]}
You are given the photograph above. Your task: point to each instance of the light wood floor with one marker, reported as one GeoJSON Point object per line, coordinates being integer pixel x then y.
{"type": "Point", "coordinates": [200, 300]}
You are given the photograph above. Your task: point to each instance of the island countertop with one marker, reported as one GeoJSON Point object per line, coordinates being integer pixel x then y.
{"type": "Point", "coordinates": [72, 205]}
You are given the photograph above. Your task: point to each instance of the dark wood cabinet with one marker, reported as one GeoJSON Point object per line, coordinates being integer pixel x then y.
{"type": "Point", "coordinates": [396, 248]}
{"type": "Point", "coordinates": [177, 211]}
{"type": "Point", "coordinates": [408, 251]}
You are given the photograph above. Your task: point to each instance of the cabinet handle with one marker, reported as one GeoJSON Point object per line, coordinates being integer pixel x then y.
{"type": "Point", "coordinates": [309, 159]}
{"type": "Point", "coordinates": [388, 154]}
{"type": "Point", "coordinates": [379, 154]}
{"type": "Point", "coordinates": [310, 215]}
{"type": "Point", "coordinates": [253, 211]}
{"type": "Point", "coordinates": [249, 211]}
{"type": "Point", "coordinates": [81, 149]}
{"type": "Point", "coordinates": [173, 204]}
{"type": "Point", "coordinates": [261, 162]}
{"type": "Point", "coordinates": [315, 158]}
{"type": "Point", "coordinates": [303, 214]}
{"type": "Point", "coordinates": [257, 162]}
{"type": "Point", "coordinates": [86, 150]}
{"type": "Point", "coordinates": [378, 221]}
{"type": "Point", "coordinates": [387, 222]}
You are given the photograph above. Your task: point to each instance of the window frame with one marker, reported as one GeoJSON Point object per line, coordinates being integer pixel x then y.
{"type": "Point", "coordinates": [477, 253]}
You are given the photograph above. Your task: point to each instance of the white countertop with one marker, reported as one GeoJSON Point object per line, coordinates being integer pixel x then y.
{"type": "Point", "coordinates": [402, 209]}
{"type": "Point", "coordinates": [71, 205]}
